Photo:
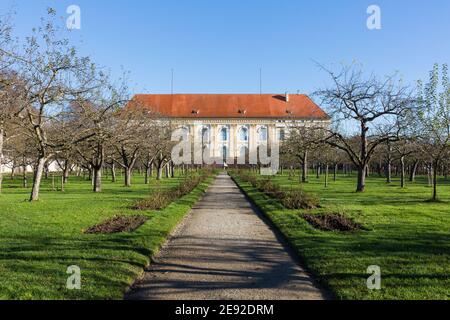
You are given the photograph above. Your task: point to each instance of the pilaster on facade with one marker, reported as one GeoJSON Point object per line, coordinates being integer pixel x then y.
{"type": "Point", "coordinates": [253, 143]}
{"type": "Point", "coordinates": [236, 141]}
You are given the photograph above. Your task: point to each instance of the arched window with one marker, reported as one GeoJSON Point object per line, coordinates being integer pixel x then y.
{"type": "Point", "coordinates": [185, 131]}
{"type": "Point", "coordinates": [224, 134]}
{"type": "Point", "coordinates": [243, 134]}
{"type": "Point", "coordinates": [263, 134]}
{"type": "Point", "coordinates": [204, 132]}
{"type": "Point", "coordinates": [281, 135]}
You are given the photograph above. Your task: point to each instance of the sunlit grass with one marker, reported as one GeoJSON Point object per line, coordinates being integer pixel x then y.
{"type": "Point", "coordinates": [38, 241]}
{"type": "Point", "coordinates": [407, 237]}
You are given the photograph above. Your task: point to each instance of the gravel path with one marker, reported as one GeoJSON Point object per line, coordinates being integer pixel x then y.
{"type": "Point", "coordinates": [225, 250]}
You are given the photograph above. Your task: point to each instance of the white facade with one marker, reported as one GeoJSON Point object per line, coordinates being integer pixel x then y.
{"type": "Point", "coordinates": [236, 138]}
{"type": "Point", "coordinates": [7, 168]}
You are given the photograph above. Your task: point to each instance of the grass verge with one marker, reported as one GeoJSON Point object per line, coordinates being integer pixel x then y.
{"type": "Point", "coordinates": [405, 236]}
{"type": "Point", "coordinates": [39, 241]}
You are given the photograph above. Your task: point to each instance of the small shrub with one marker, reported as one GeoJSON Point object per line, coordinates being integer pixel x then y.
{"type": "Point", "coordinates": [160, 199]}
{"type": "Point", "coordinates": [332, 222]}
{"type": "Point", "coordinates": [298, 199]}
{"type": "Point", "coordinates": [271, 189]}
{"type": "Point", "coordinates": [188, 185]}
{"type": "Point", "coordinates": [118, 224]}
{"type": "Point", "coordinates": [253, 181]}
{"type": "Point", "coordinates": [248, 177]}
{"type": "Point", "coordinates": [295, 199]}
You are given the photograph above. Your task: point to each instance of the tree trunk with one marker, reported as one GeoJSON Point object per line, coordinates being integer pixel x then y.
{"type": "Point", "coordinates": [146, 175]}
{"type": "Point", "coordinates": [318, 168]}
{"type": "Point", "coordinates": [159, 172]}
{"type": "Point", "coordinates": [13, 171]}
{"type": "Point", "coordinates": [62, 183]}
{"type": "Point", "coordinates": [66, 171]}
{"type": "Point", "coordinates": [389, 170]}
{"type": "Point", "coordinates": [46, 170]}
{"type": "Point", "coordinates": [412, 176]}
{"type": "Point", "coordinates": [172, 170]}
{"type": "Point", "coordinates": [148, 172]}
{"type": "Point", "coordinates": [335, 170]}
{"type": "Point", "coordinates": [97, 179]}
{"type": "Point", "coordinates": [326, 175]}
{"type": "Point", "coordinates": [435, 175]}
{"type": "Point", "coordinates": [38, 172]}
{"type": "Point", "coordinates": [113, 173]}
{"type": "Point", "coordinates": [402, 172]}
{"type": "Point", "coordinates": [167, 170]}
{"type": "Point", "coordinates": [305, 167]}
{"type": "Point", "coordinates": [24, 177]}
{"type": "Point", "coordinates": [380, 168]}
{"type": "Point", "coordinates": [128, 174]}
{"type": "Point", "coordinates": [361, 187]}
{"type": "Point", "coordinates": [429, 175]}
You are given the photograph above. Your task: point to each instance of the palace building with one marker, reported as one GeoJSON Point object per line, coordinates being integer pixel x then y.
{"type": "Point", "coordinates": [231, 125]}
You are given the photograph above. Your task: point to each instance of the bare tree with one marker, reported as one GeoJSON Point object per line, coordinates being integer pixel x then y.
{"type": "Point", "coordinates": [49, 69]}
{"type": "Point", "coordinates": [21, 151]}
{"type": "Point", "coordinates": [433, 118]}
{"type": "Point", "coordinates": [94, 113]}
{"type": "Point", "coordinates": [8, 110]}
{"type": "Point", "coordinates": [8, 88]}
{"type": "Point", "coordinates": [326, 155]}
{"type": "Point", "coordinates": [134, 125]}
{"type": "Point", "coordinates": [403, 149]}
{"type": "Point", "coordinates": [303, 139]}
{"type": "Point", "coordinates": [406, 145]}
{"type": "Point", "coordinates": [366, 105]}
{"type": "Point", "coordinates": [153, 147]}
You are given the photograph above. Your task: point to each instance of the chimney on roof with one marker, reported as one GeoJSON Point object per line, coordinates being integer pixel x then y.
{"type": "Point", "coordinates": [287, 96]}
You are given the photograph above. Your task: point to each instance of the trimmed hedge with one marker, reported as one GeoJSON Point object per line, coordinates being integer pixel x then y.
{"type": "Point", "coordinates": [160, 199]}
{"type": "Point", "coordinates": [291, 199]}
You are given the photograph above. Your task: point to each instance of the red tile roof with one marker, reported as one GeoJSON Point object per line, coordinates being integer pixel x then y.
{"type": "Point", "coordinates": [199, 106]}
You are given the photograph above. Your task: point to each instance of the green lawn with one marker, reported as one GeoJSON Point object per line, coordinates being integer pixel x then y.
{"type": "Point", "coordinates": [407, 237]}
{"type": "Point", "coordinates": [38, 241]}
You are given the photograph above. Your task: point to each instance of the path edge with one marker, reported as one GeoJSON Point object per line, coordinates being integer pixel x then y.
{"type": "Point", "coordinates": [287, 245]}
{"type": "Point", "coordinates": [179, 226]}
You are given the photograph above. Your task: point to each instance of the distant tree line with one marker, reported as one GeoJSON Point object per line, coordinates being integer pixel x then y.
{"type": "Point", "coordinates": [380, 126]}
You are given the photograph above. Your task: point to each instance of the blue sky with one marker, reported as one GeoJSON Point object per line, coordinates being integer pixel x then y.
{"type": "Point", "coordinates": [219, 46]}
